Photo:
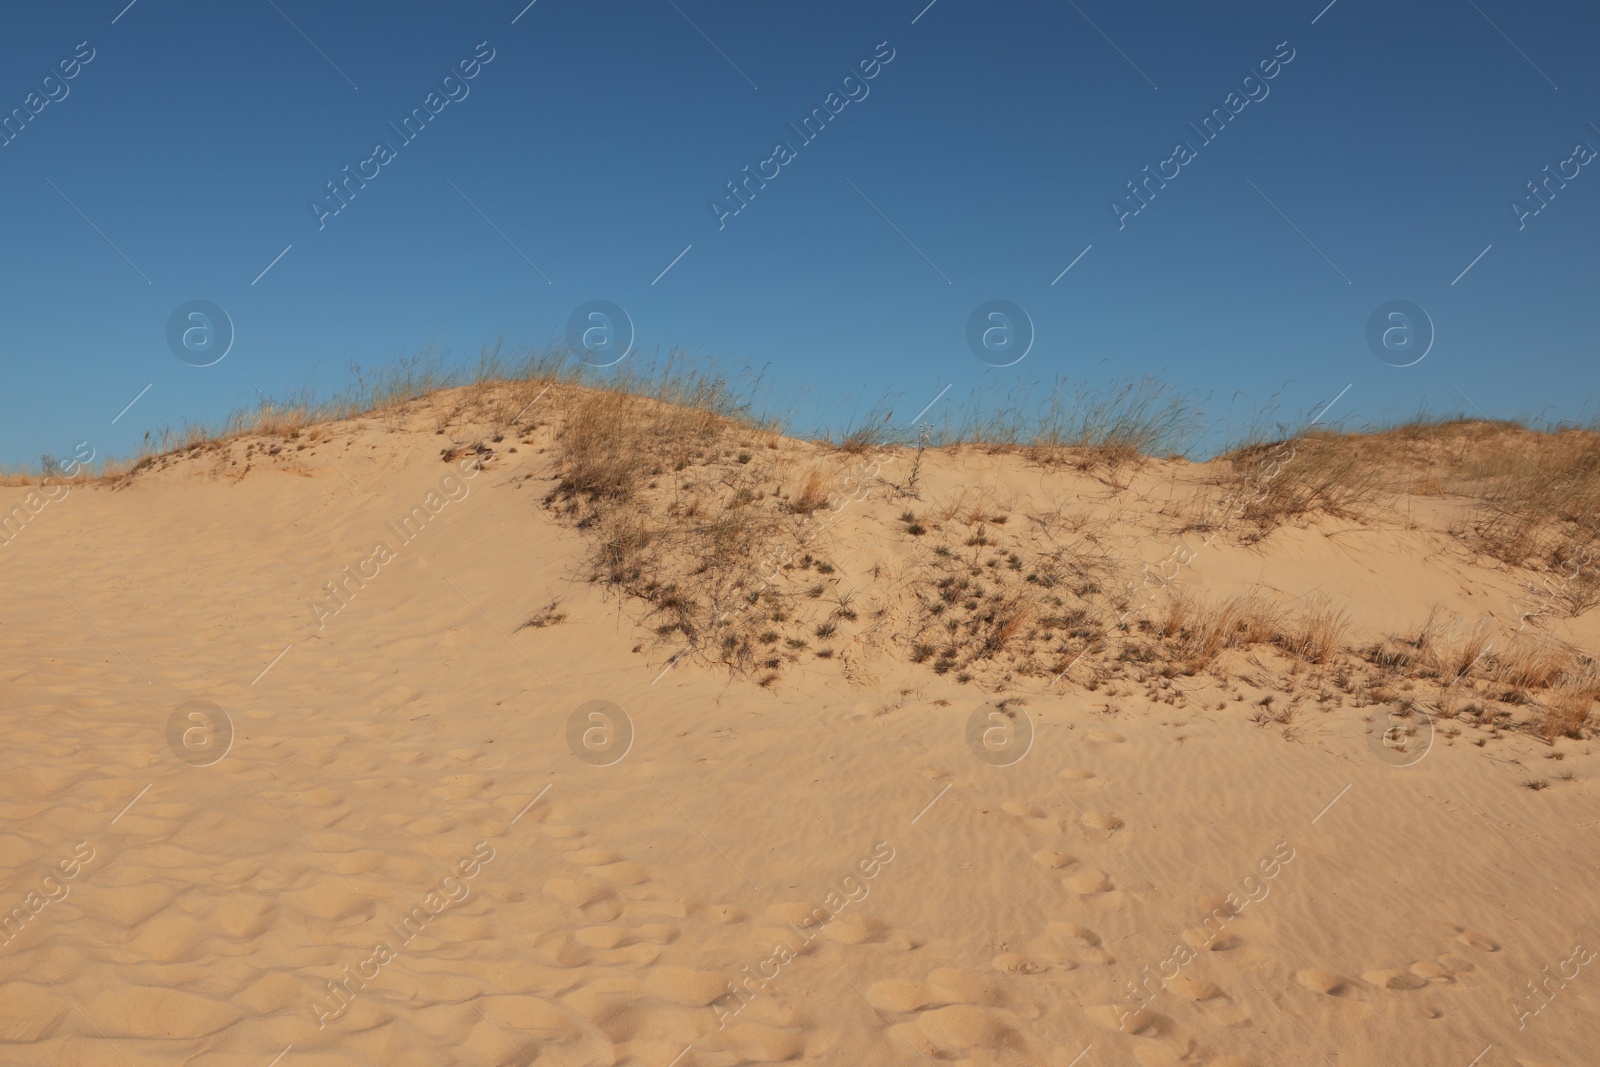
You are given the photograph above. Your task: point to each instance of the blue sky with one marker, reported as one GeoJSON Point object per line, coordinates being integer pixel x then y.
{"type": "Point", "coordinates": [1377, 164]}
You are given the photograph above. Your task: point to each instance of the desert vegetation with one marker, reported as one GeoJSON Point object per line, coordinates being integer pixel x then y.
{"type": "Point", "coordinates": [725, 537]}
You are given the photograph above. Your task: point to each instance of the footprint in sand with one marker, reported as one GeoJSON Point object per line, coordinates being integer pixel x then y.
{"type": "Point", "coordinates": [595, 900]}
{"type": "Point", "coordinates": [756, 1043]}
{"type": "Point", "coordinates": [901, 995]}
{"type": "Point", "coordinates": [855, 929]}
{"type": "Point", "coordinates": [624, 872]}
{"type": "Point", "coordinates": [593, 857]}
{"type": "Point", "coordinates": [1088, 882]}
{"type": "Point", "coordinates": [1320, 981]}
{"type": "Point", "coordinates": [616, 937]}
{"type": "Point", "coordinates": [608, 1018]}
{"type": "Point", "coordinates": [1393, 978]}
{"type": "Point", "coordinates": [964, 987]}
{"type": "Point", "coordinates": [1063, 947]}
{"type": "Point", "coordinates": [603, 936]}
{"type": "Point", "coordinates": [1055, 860]}
{"type": "Point", "coordinates": [1021, 810]}
{"type": "Point", "coordinates": [565, 838]}
{"type": "Point", "coordinates": [1209, 1000]}
{"type": "Point", "coordinates": [955, 1011]}
{"type": "Point", "coordinates": [1471, 938]}
{"type": "Point", "coordinates": [686, 986]}
{"type": "Point", "coordinates": [1106, 737]}
{"type": "Point", "coordinates": [1103, 821]}
{"type": "Point", "coordinates": [1419, 974]}
{"type": "Point", "coordinates": [560, 948]}
{"type": "Point", "coordinates": [962, 1027]}
{"type": "Point", "coordinates": [1073, 933]}
{"type": "Point", "coordinates": [1199, 937]}
{"type": "Point", "coordinates": [1077, 781]}
{"type": "Point", "coordinates": [1070, 945]}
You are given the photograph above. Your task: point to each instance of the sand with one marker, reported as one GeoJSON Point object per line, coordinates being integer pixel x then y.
{"type": "Point", "coordinates": [425, 843]}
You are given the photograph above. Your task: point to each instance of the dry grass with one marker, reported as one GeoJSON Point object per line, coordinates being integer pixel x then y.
{"type": "Point", "coordinates": [1529, 661]}
{"type": "Point", "coordinates": [812, 494]}
{"type": "Point", "coordinates": [1533, 496]}
{"type": "Point", "coordinates": [1317, 634]}
{"type": "Point", "coordinates": [611, 442]}
{"type": "Point", "coordinates": [1084, 428]}
{"type": "Point", "coordinates": [670, 478]}
{"type": "Point", "coordinates": [1450, 650]}
{"type": "Point", "coordinates": [1136, 420]}
{"type": "Point", "coordinates": [1196, 632]}
{"type": "Point", "coordinates": [683, 525]}
{"type": "Point", "coordinates": [1275, 483]}
{"type": "Point", "coordinates": [1570, 701]}
{"type": "Point", "coordinates": [1471, 667]}
{"type": "Point", "coordinates": [1539, 507]}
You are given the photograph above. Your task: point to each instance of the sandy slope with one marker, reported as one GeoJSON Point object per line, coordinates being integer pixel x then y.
{"type": "Point", "coordinates": [410, 757]}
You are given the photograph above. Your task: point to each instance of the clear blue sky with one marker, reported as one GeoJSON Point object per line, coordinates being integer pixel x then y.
{"type": "Point", "coordinates": [979, 163]}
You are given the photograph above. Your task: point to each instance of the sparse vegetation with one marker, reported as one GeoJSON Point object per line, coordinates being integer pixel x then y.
{"type": "Point", "coordinates": [549, 615]}
{"type": "Point", "coordinates": [715, 526]}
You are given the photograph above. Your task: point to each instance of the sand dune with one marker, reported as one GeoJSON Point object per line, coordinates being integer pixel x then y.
{"type": "Point", "coordinates": [403, 831]}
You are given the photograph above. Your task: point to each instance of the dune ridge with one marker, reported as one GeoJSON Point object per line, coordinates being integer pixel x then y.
{"type": "Point", "coordinates": [679, 674]}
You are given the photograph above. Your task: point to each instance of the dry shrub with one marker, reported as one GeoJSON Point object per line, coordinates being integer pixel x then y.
{"type": "Point", "coordinates": [621, 541]}
{"type": "Point", "coordinates": [873, 433]}
{"type": "Point", "coordinates": [1314, 474]}
{"type": "Point", "coordinates": [1540, 498]}
{"type": "Point", "coordinates": [1002, 624]}
{"type": "Point", "coordinates": [611, 441]}
{"type": "Point", "coordinates": [1316, 634]}
{"type": "Point", "coordinates": [705, 578]}
{"type": "Point", "coordinates": [1450, 648]}
{"type": "Point", "coordinates": [683, 518]}
{"type": "Point", "coordinates": [1569, 702]}
{"type": "Point", "coordinates": [812, 495]}
{"type": "Point", "coordinates": [1530, 662]}
{"type": "Point", "coordinates": [966, 501]}
{"type": "Point", "coordinates": [981, 595]}
{"type": "Point", "coordinates": [1201, 632]}
{"type": "Point", "coordinates": [1137, 419]}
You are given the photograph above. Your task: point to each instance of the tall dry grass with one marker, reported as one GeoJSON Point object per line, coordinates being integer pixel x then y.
{"type": "Point", "coordinates": [1197, 632]}
{"type": "Point", "coordinates": [1274, 483]}
{"type": "Point", "coordinates": [611, 440]}
{"type": "Point", "coordinates": [1540, 506]}
{"type": "Point", "coordinates": [1083, 427]}
{"type": "Point", "coordinates": [1521, 668]}
{"type": "Point", "coordinates": [1570, 701]}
